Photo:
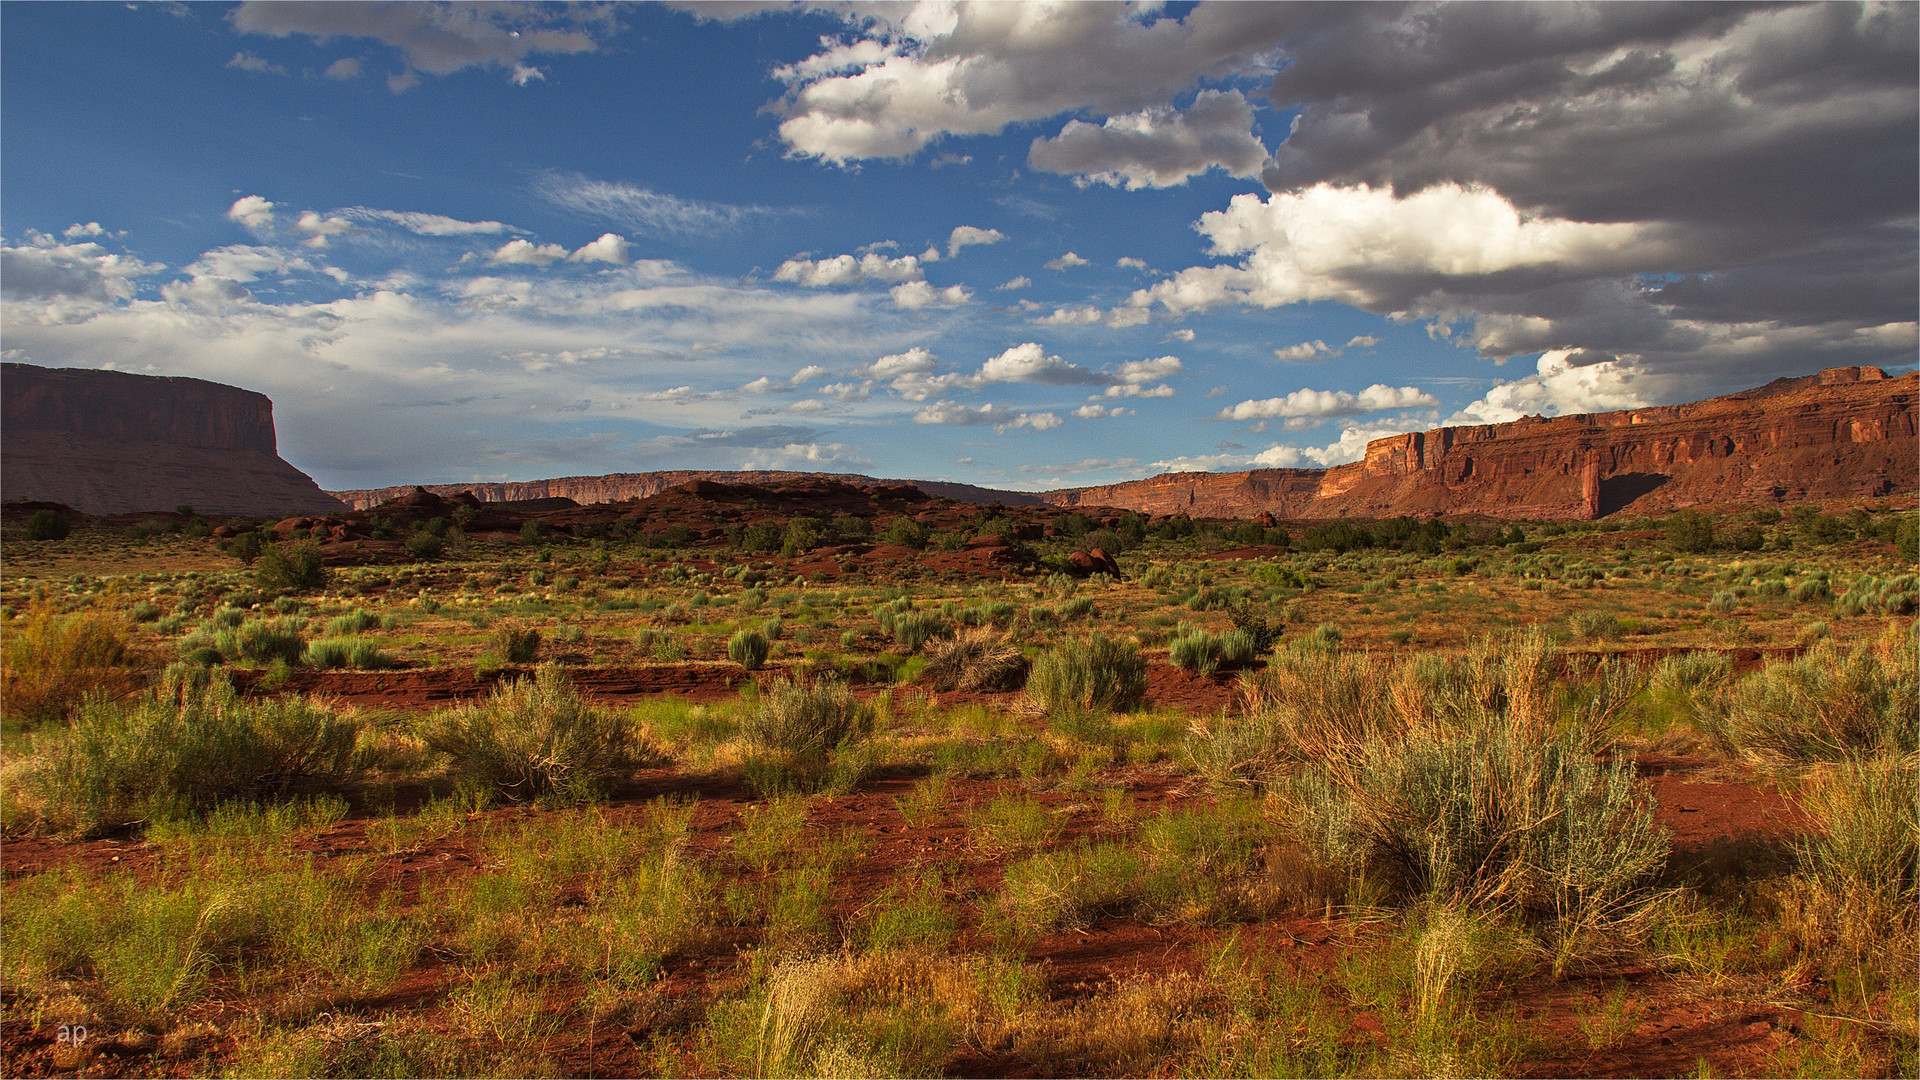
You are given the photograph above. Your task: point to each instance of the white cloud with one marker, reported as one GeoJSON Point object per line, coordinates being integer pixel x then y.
{"type": "Point", "coordinates": [1306, 350]}
{"type": "Point", "coordinates": [1065, 262]}
{"type": "Point", "coordinates": [1367, 248]}
{"type": "Point", "coordinates": [914, 295]}
{"type": "Point", "coordinates": [320, 228]}
{"type": "Point", "coordinates": [523, 74]}
{"type": "Point", "coordinates": [252, 211]}
{"type": "Point", "coordinates": [848, 270]}
{"type": "Point", "coordinates": [609, 248]}
{"type": "Point", "coordinates": [1157, 147]}
{"type": "Point", "coordinates": [1137, 372]}
{"type": "Point", "coordinates": [964, 236]}
{"type": "Point", "coordinates": [344, 68]}
{"type": "Point", "coordinates": [1559, 388]}
{"type": "Point", "coordinates": [521, 252]}
{"type": "Point", "coordinates": [1351, 446]}
{"type": "Point", "coordinates": [1074, 316]}
{"type": "Point", "coordinates": [426, 224]}
{"type": "Point", "coordinates": [245, 262]}
{"type": "Point", "coordinates": [1130, 263]}
{"type": "Point", "coordinates": [246, 61]}
{"type": "Point", "coordinates": [1020, 282]}
{"type": "Point", "coordinates": [925, 71]}
{"type": "Point", "coordinates": [998, 417]}
{"type": "Point", "coordinates": [436, 39]}
{"type": "Point", "coordinates": [77, 231]}
{"type": "Point", "coordinates": [1029, 363]}
{"type": "Point", "coordinates": [1098, 412]}
{"type": "Point", "coordinates": [807, 374]}
{"type": "Point", "coordinates": [915, 361]}
{"type": "Point", "coordinates": [641, 209]}
{"type": "Point", "coordinates": [1182, 334]}
{"type": "Point", "coordinates": [1323, 403]}
{"type": "Point", "coordinates": [70, 272]}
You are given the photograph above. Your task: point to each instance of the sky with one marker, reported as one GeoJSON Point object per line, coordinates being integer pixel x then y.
{"type": "Point", "coordinates": [1018, 245]}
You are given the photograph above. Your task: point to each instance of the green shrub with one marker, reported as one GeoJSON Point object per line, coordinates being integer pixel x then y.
{"type": "Point", "coordinates": [1198, 652]}
{"type": "Point", "coordinates": [1098, 675]}
{"type": "Point", "coordinates": [803, 722]}
{"type": "Point", "coordinates": [516, 643]}
{"type": "Point", "coordinates": [346, 652]}
{"type": "Point", "coordinates": [292, 567]}
{"type": "Point", "coordinates": [1325, 638]}
{"type": "Point", "coordinates": [46, 525]}
{"type": "Point", "coordinates": [536, 738]}
{"type": "Point", "coordinates": [125, 762]}
{"type": "Point", "coordinates": [262, 641]}
{"type": "Point", "coordinates": [1596, 626]}
{"type": "Point", "coordinates": [354, 622]}
{"type": "Point", "coordinates": [1690, 532]}
{"type": "Point", "coordinates": [1859, 882]}
{"type": "Point", "coordinates": [912, 629]}
{"type": "Point", "coordinates": [802, 536]}
{"type": "Point", "coordinates": [1828, 705]}
{"type": "Point", "coordinates": [424, 546]}
{"type": "Point", "coordinates": [748, 648]}
{"type": "Point", "coordinates": [905, 532]}
{"type": "Point", "coordinates": [1494, 818]}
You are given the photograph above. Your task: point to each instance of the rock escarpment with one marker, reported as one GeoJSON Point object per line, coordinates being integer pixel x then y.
{"type": "Point", "coordinates": [1841, 434]}
{"type": "Point", "coordinates": [110, 442]}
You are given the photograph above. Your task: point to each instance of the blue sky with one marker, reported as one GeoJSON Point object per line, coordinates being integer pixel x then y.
{"type": "Point", "coordinates": [1015, 245]}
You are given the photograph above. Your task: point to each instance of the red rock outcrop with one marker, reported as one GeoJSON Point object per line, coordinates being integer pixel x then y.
{"type": "Point", "coordinates": [622, 487]}
{"type": "Point", "coordinates": [1843, 433]}
{"type": "Point", "coordinates": [111, 442]}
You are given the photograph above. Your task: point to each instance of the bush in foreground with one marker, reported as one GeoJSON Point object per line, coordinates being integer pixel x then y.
{"type": "Point", "coordinates": [124, 762]}
{"type": "Point", "coordinates": [296, 567]}
{"type": "Point", "coordinates": [536, 738]}
{"type": "Point", "coordinates": [748, 648]}
{"type": "Point", "coordinates": [1097, 675]}
{"type": "Point", "coordinates": [1829, 705]}
{"type": "Point", "coordinates": [804, 721]}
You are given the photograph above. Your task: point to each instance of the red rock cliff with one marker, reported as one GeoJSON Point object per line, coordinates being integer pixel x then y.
{"type": "Point", "coordinates": [619, 487]}
{"type": "Point", "coordinates": [110, 442]}
{"type": "Point", "coordinates": [1843, 433]}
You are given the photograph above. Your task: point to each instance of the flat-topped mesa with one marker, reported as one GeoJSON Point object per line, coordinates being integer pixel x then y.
{"type": "Point", "coordinates": [1839, 434]}
{"type": "Point", "coordinates": [108, 442]}
{"type": "Point", "coordinates": [625, 487]}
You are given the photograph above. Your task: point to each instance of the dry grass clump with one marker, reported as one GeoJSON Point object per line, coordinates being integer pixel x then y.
{"type": "Point", "coordinates": [120, 763]}
{"type": "Point", "coordinates": [1858, 886]}
{"type": "Point", "coordinates": [50, 662]}
{"type": "Point", "coordinates": [1829, 705]}
{"type": "Point", "coordinates": [976, 660]}
{"type": "Point", "coordinates": [537, 738]}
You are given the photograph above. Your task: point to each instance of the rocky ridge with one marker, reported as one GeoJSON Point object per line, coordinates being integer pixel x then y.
{"type": "Point", "coordinates": [1841, 434]}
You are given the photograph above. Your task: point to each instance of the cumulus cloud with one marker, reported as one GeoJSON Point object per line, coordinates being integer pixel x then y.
{"type": "Point", "coordinates": [523, 252]}
{"type": "Point", "coordinates": [346, 67]}
{"type": "Point", "coordinates": [1560, 387]}
{"type": "Point", "coordinates": [86, 271]}
{"type": "Point", "coordinates": [964, 236]}
{"type": "Point", "coordinates": [77, 231]}
{"type": "Point", "coordinates": [641, 209]}
{"type": "Point", "coordinates": [1071, 316]}
{"type": "Point", "coordinates": [1324, 403]}
{"type": "Point", "coordinates": [1098, 412]}
{"type": "Point", "coordinates": [437, 39]}
{"type": "Point", "coordinates": [914, 295]}
{"type": "Point", "coordinates": [1157, 147]}
{"type": "Point", "coordinates": [609, 248]}
{"type": "Point", "coordinates": [923, 72]}
{"type": "Point", "coordinates": [320, 228]}
{"type": "Point", "coordinates": [849, 270]}
{"type": "Point", "coordinates": [1029, 363]}
{"type": "Point", "coordinates": [246, 262]}
{"type": "Point", "coordinates": [1306, 350]}
{"type": "Point", "coordinates": [252, 211]}
{"type": "Point", "coordinates": [1065, 262]}
{"type": "Point", "coordinates": [1361, 341]}
{"type": "Point", "coordinates": [1020, 282]}
{"type": "Point", "coordinates": [523, 74]}
{"type": "Point", "coordinates": [998, 417]}
{"type": "Point", "coordinates": [1128, 262]}
{"type": "Point", "coordinates": [246, 61]}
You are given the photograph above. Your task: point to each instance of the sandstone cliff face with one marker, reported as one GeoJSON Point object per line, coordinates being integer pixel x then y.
{"type": "Point", "coordinates": [1844, 433]}
{"type": "Point", "coordinates": [109, 442]}
{"type": "Point", "coordinates": [620, 487]}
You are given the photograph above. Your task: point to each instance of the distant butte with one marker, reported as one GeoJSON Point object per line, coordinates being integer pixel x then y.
{"type": "Point", "coordinates": [112, 442]}
{"type": "Point", "coordinates": [1844, 433]}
